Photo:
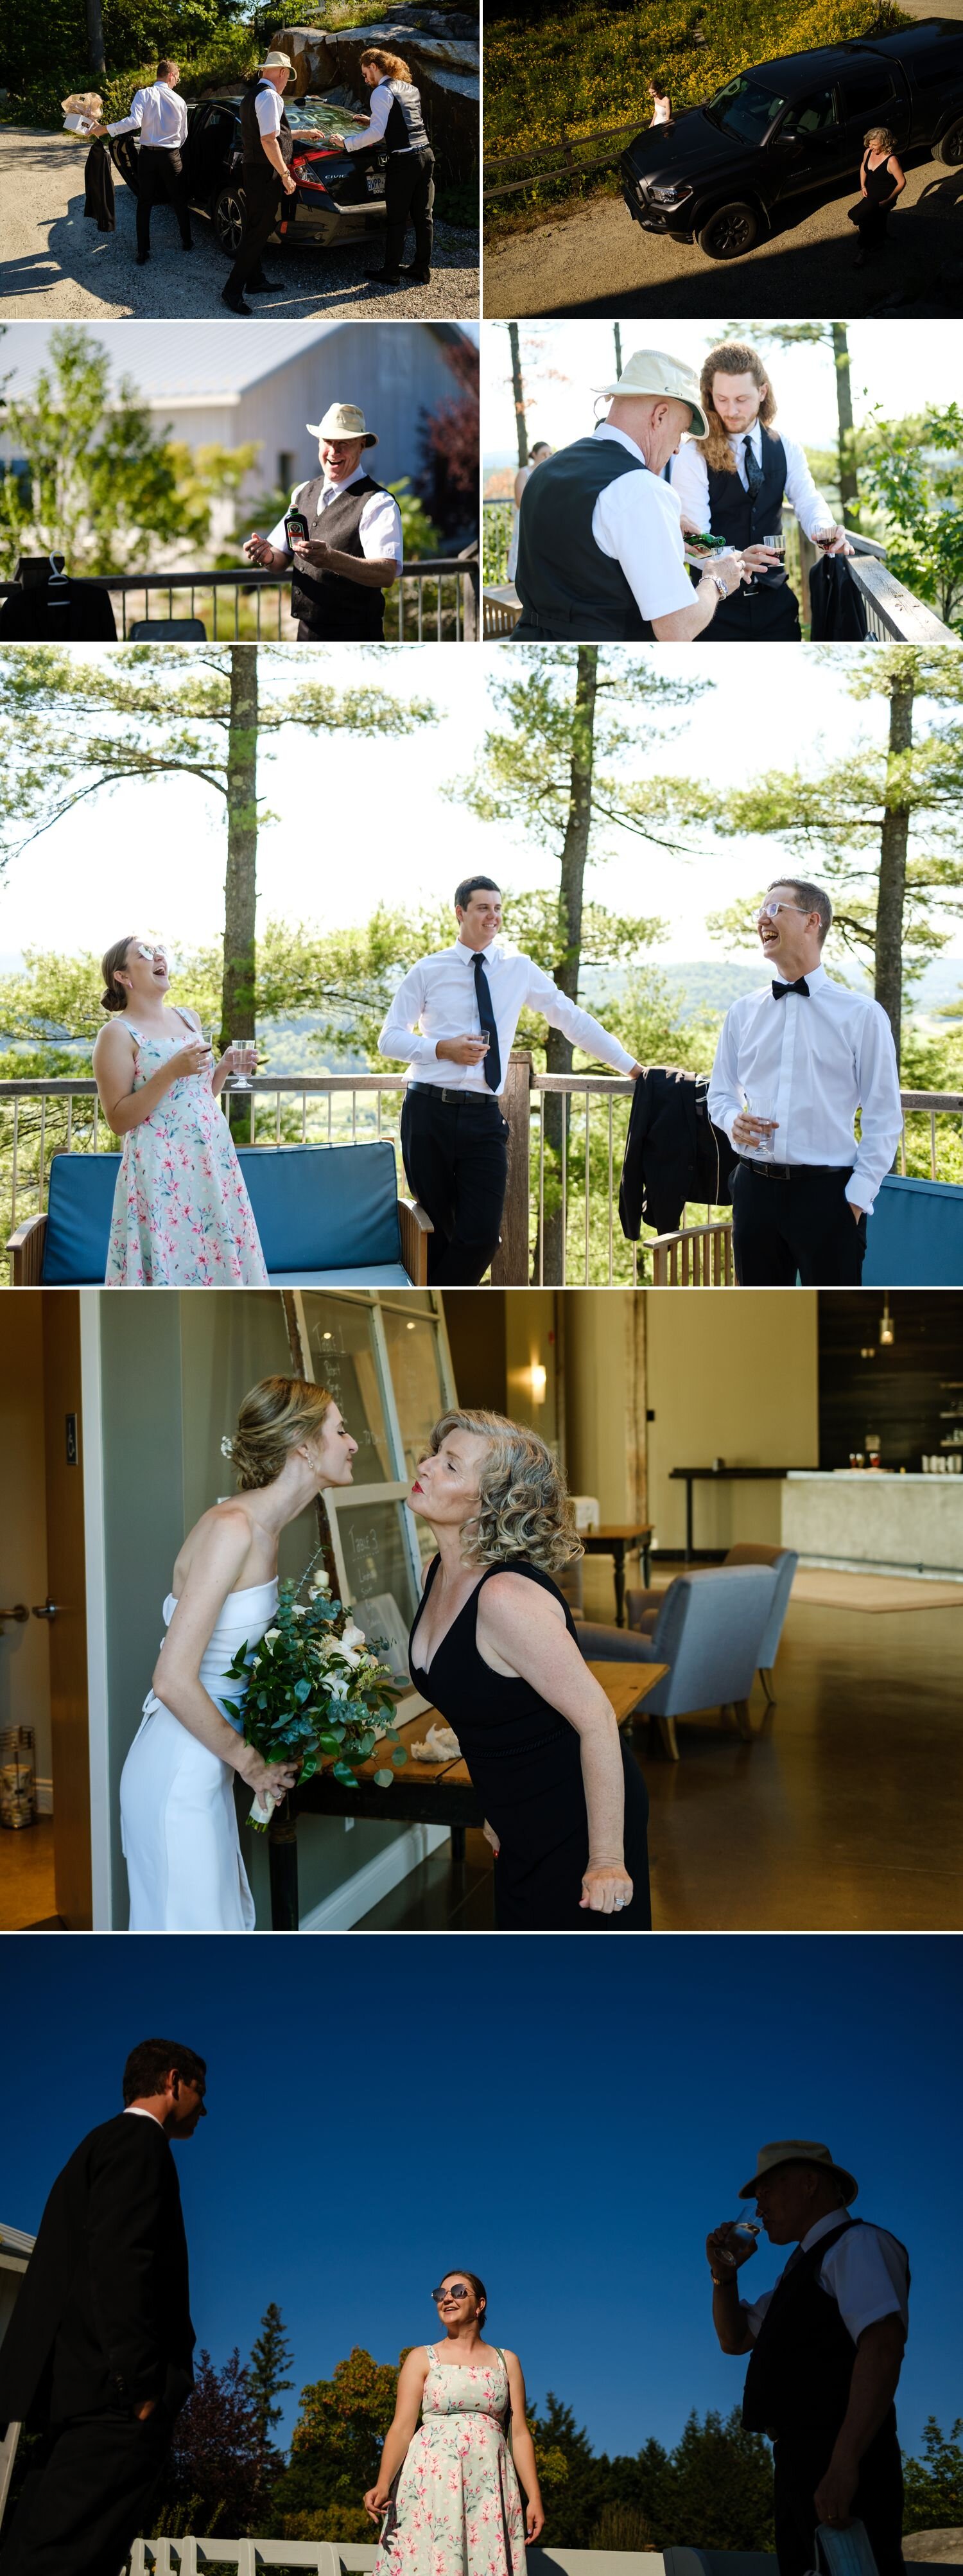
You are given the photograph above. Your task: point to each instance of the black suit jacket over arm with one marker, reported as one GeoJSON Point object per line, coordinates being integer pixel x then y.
{"type": "Point", "coordinates": [673, 1153]}
{"type": "Point", "coordinates": [103, 2319]}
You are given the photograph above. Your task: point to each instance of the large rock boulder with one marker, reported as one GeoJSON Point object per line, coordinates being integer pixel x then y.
{"type": "Point", "coordinates": [943, 2547]}
{"type": "Point", "coordinates": [442, 48]}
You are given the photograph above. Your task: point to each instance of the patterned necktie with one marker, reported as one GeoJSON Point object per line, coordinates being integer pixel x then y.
{"type": "Point", "coordinates": [779, 991]}
{"type": "Point", "coordinates": [753, 468]}
{"type": "Point", "coordinates": [493, 1062]}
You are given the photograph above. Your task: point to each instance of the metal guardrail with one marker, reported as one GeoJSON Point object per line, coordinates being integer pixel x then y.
{"type": "Point", "coordinates": [560, 1226]}
{"type": "Point", "coordinates": [435, 599]}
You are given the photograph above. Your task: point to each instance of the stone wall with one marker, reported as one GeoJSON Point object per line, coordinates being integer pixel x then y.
{"type": "Point", "coordinates": [442, 48]}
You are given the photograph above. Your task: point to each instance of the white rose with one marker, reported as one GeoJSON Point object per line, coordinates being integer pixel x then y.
{"type": "Point", "coordinates": [270, 1636]}
{"type": "Point", "coordinates": [298, 1610]}
{"type": "Point", "coordinates": [337, 1687]}
{"type": "Point", "coordinates": [322, 1583]}
{"type": "Point", "coordinates": [352, 1635]}
{"type": "Point", "coordinates": [349, 1657]}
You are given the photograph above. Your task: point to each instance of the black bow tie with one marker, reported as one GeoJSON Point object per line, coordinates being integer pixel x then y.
{"type": "Point", "coordinates": [800, 986]}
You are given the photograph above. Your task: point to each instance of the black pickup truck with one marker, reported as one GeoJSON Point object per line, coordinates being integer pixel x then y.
{"type": "Point", "coordinates": [721, 174]}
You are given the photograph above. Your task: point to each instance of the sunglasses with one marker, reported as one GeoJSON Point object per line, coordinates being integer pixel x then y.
{"type": "Point", "coordinates": [770, 911]}
{"type": "Point", "coordinates": [459, 2290]}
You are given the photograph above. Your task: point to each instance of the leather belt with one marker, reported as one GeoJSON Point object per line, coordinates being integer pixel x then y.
{"type": "Point", "coordinates": [438, 1092]}
{"type": "Point", "coordinates": [792, 1171]}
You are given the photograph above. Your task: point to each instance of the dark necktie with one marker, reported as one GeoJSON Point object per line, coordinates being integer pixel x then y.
{"type": "Point", "coordinates": [493, 1062]}
{"type": "Point", "coordinates": [753, 469]}
{"type": "Point", "coordinates": [779, 991]}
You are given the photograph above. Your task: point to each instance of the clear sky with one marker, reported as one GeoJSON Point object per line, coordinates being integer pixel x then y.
{"type": "Point", "coordinates": [899, 366]}
{"type": "Point", "coordinates": [567, 2118]}
{"type": "Point", "coordinates": [363, 823]}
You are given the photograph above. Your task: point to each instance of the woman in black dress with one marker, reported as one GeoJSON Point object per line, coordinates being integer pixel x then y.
{"type": "Point", "coordinates": [494, 1646]}
{"type": "Point", "coordinates": [881, 181]}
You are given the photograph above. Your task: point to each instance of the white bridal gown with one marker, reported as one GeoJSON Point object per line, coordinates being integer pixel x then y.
{"type": "Point", "coordinates": [177, 1813]}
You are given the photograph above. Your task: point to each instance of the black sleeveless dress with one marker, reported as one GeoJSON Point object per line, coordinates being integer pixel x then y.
{"type": "Point", "coordinates": [525, 1763]}
{"type": "Point", "coordinates": [870, 215]}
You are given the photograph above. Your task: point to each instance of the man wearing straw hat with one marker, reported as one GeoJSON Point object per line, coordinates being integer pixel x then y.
{"type": "Point", "coordinates": [267, 144]}
{"type": "Point", "coordinates": [826, 2347]}
{"type": "Point", "coordinates": [353, 550]}
{"type": "Point", "coordinates": [601, 557]}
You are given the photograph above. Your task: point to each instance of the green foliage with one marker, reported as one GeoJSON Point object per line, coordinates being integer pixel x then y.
{"type": "Point", "coordinates": [99, 485]}
{"type": "Point", "coordinates": [313, 1691]}
{"type": "Point", "coordinates": [713, 2491]}
{"type": "Point", "coordinates": [913, 470]}
{"type": "Point", "coordinates": [271, 2354]}
{"type": "Point", "coordinates": [336, 2451]}
{"type": "Point", "coordinates": [934, 2485]}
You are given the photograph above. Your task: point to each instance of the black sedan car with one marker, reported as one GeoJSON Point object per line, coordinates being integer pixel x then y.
{"type": "Point", "coordinates": [339, 197]}
{"type": "Point", "coordinates": [722, 174]}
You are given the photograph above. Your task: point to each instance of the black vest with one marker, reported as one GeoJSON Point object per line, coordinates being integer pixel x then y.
{"type": "Point", "coordinates": [405, 129]}
{"type": "Point", "coordinates": [252, 138]}
{"type": "Point", "coordinates": [798, 2380]}
{"type": "Point", "coordinates": [568, 588]}
{"type": "Point", "coordinates": [342, 610]}
{"type": "Point", "coordinates": [744, 521]}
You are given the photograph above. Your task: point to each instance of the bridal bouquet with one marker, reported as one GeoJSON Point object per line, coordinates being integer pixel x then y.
{"type": "Point", "coordinates": [313, 1687]}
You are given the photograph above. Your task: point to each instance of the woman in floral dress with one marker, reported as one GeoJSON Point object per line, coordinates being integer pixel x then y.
{"type": "Point", "coordinates": [182, 1217]}
{"type": "Point", "coordinates": [447, 2489]}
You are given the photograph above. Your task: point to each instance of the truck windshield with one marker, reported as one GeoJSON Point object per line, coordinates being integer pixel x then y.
{"type": "Point", "coordinates": [744, 108]}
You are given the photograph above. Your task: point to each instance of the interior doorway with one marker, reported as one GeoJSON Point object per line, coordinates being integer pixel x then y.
{"type": "Point", "coordinates": [45, 1868]}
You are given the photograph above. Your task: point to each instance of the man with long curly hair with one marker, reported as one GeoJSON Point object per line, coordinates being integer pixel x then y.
{"type": "Point", "coordinates": [736, 481]}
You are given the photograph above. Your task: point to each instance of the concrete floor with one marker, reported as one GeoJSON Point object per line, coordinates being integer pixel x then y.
{"type": "Point", "coordinates": [845, 1814]}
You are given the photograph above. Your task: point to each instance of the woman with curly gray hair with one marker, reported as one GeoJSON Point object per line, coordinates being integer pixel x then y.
{"type": "Point", "coordinates": [495, 1647]}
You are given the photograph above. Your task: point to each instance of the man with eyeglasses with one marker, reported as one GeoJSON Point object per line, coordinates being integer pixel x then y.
{"type": "Point", "coordinates": [794, 1064]}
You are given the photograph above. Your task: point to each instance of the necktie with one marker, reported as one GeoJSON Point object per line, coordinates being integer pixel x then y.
{"type": "Point", "coordinates": [800, 986]}
{"type": "Point", "coordinates": [753, 469]}
{"type": "Point", "coordinates": [493, 1062]}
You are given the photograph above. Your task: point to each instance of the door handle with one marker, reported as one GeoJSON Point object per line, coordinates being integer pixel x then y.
{"type": "Point", "coordinates": [45, 1609]}
{"type": "Point", "coordinates": [20, 1613]}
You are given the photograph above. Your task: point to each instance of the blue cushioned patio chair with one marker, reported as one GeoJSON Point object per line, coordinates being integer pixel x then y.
{"type": "Point", "coordinates": [328, 1216]}
{"type": "Point", "coordinates": [710, 1627]}
{"type": "Point", "coordinates": [642, 1608]}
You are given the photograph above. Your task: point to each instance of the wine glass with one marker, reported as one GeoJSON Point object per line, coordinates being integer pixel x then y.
{"type": "Point", "coordinates": [242, 1067]}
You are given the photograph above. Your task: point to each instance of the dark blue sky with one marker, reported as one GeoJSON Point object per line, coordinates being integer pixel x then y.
{"type": "Point", "coordinates": [565, 2117]}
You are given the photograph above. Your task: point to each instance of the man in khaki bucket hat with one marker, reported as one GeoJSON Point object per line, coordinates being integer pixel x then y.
{"type": "Point", "coordinates": [267, 145]}
{"type": "Point", "coordinates": [601, 557]}
{"type": "Point", "coordinates": [351, 550]}
{"type": "Point", "coordinates": [826, 2349]}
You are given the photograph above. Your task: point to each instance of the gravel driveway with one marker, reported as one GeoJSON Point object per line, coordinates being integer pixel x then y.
{"type": "Point", "coordinates": [56, 267]}
{"type": "Point", "coordinates": [597, 262]}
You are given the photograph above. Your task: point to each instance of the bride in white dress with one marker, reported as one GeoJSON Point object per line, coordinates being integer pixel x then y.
{"type": "Point", "coordinates": [178, 1819]}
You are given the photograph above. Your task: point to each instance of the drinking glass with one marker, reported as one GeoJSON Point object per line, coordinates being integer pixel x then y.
{"type": "Point", "coordinates": [776, 545]}
{"type": "Point", "coordinates": [742, 2233]}
{"type": "Point", "coordinates": [243, 1052]}
{"type": "Point", "coordinates": [765, 1110]}
{"type": "Point", "coordinates": [824, 538]}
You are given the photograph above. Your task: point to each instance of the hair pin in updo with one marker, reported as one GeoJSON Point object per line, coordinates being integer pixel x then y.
{"type": "Point", "coordinates": [227, 1447]}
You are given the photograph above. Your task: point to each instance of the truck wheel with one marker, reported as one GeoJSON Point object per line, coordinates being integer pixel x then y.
{"type": "Point", "coordinates": [228, 218]}
{"type": "Point", "coordinates": [731, 230]}
{"type": "Point", "coordinates": [950, 146]}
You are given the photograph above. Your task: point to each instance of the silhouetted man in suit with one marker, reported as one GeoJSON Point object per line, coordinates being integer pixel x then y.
{"type": "Point", "coordinates": [97, 2356]}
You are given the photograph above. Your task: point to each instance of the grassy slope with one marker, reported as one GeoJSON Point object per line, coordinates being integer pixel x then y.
{"type": "Point", "coordinates": [586, 66]}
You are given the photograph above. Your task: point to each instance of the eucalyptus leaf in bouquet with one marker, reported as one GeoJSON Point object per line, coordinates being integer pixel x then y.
{"type": "Point", "coordinates": [313, 1688]}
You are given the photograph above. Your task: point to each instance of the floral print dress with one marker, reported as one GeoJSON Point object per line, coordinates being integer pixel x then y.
{"type": "Point", "coordinates": [457, 2510]}
{"type": "Point", "coordinates": [182, 1217]}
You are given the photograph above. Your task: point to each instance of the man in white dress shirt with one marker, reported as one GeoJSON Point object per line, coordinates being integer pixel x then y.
{"type": "Point", "coordinates": [160, 119]}
{"type": "Point", "coordinates": [601, 556]}
{"type": "Point", "coordinates": [794, 1063]}
{"type": "Point", "coordinates": [453, 1019]}
{"type": "Point", "coordinates": [826, 2347]}
{"type": "Point", "coordinates": [353, 550]}
{"type": "Point", "coordinates": [733, 481]}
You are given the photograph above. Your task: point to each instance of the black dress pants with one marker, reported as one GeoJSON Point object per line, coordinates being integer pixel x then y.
{"type": "Point", "coordinates": [757, 616]}
{"type": "Point", "coordinates": [803, 1226]}
{"type": "Point", "coordinates": [262, 206]}
{"type": "Point", "coordinates": [409, 198]}
{"type": "Point", "coordinates": [83, 2506]}
{"type": "Point", "coordinates": [160, 182]}
{"type": "Point", "coordinates": [455, 1146]}
{"type": "Point", "coordinates": [798, 2466]}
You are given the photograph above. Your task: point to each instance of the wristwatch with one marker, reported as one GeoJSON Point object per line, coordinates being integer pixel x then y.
{"type": "Point", "coordinates": [709, 575]}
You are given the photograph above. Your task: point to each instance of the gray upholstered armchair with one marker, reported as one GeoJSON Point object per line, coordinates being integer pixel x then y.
{"type": "Point", "coordinates": [642, 1608]}
{"type": "Point", "coordinates": [710, 1628]}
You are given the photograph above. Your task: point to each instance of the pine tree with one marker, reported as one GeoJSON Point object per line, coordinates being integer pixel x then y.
{"type": "Point", "coordinates": [270, 2356]}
